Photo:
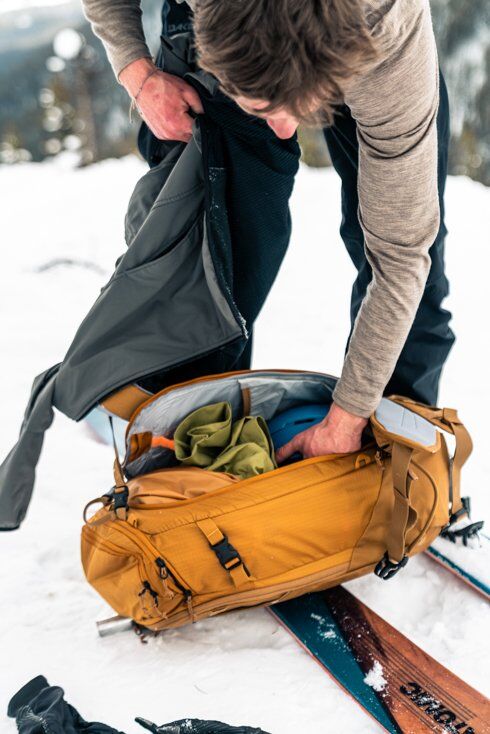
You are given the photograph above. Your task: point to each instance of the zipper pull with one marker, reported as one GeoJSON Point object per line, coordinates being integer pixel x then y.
{"type": "Point", "coordinates": [163, 573]}
{"type": "Point", "coordinates": [162, 568]}
{"type": "Point", "coordinates": [188, 601]}
{"type": "Point", "coordinates": [379, 459]}
{"type": "Point", "coordinates": [187, 594]}
{"type": "Point", "coordinates": [154, 597]}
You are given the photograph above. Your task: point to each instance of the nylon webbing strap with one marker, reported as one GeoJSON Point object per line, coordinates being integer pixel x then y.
{"type": "Point", "coordinates": [227, 555]}
{"type": "Point", "coordinates": [400, 465]}
{"type": "Point", "coordinates": [464, 447]}
{"type": "Point", "coordinates": [447, 420]}
{"type": "Point", "coordinates": [120, 491]}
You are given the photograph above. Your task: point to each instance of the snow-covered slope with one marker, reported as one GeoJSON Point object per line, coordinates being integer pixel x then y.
{"type": "Point", "coordinates": [61, 231]}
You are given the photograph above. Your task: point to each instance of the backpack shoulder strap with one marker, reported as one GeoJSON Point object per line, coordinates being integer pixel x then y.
{"type": "Point", "coordinates": [446, 419]}
{"type": "Point", "coordinates": [403, 515]}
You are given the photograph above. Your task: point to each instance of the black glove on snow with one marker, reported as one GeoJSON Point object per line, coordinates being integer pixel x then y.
{"type": "Point", "coordinates": [39, 708]}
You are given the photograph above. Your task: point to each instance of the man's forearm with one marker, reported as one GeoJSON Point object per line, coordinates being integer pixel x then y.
{"type": "Point", "coordinates": [395, 104]}
{"type": "Point", "coordinates": [118, 24]}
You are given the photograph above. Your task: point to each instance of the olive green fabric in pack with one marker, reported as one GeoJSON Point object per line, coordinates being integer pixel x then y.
{"type": "Point", "coordinates": [208, 438]}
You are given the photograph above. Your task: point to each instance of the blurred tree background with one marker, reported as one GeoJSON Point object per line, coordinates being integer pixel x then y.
{"type": "Point", "coordinates": [59, 96]}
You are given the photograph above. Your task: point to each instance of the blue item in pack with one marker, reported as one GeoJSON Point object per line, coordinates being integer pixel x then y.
{"type": "Point", "coordinates": [288, 424]}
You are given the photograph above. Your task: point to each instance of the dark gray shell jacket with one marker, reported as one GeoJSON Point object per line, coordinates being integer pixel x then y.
{"type": "Point", "coordinates": [177, 304]}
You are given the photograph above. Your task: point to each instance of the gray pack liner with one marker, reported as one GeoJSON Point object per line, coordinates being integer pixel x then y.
{"type": "Point", "coordinates": [270, 392]}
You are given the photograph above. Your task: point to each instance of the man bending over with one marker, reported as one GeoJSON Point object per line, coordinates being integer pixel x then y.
{"type": "Point", "coordinates": [368, 70]}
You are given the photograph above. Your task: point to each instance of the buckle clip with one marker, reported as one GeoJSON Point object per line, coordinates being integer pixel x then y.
{"type": "Point", "coordinates": [465, 509]}
{"type": "Point", "coordinates": [387, 568]}
{"type": "Point", "coordinates": [226, 554]}
{"type": "Point", "coordinates": [118, 498]}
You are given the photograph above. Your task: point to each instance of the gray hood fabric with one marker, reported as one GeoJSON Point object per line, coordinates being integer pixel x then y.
{"type": "Point", "coordinates": [171, 299]}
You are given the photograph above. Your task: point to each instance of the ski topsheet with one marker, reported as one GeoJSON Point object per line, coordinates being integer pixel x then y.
{"type": "Point", "coordinates": [398, 684]}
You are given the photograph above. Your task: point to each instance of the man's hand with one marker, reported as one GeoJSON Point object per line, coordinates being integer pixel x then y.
{"type": "Point", "coordinates": [339, 433]}
{"type": "Point", "coordinates": [164, 101]}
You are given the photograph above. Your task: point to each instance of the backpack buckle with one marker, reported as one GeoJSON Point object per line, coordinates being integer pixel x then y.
{"type": "Point", "coordinates": [226, 554]}
{"type": "Point", "coordinates": [465, 509]}
{"type": "Point", "coordinates": [387, 568]}
{"type": "Point", "coordinates": [118, 497]}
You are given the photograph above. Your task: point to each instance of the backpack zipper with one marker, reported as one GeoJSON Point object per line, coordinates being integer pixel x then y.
{"type": "Point", "coordinates": [211, 378]}
{"type": "Point", "coordinates": [113, 549]}
{"type": "Point", "coordinates": [164, 573]}
{"type": "Point", "coordinates": [162, 568]}
{"type": "Point", "coordinates": [269, 595]}
{"type": "Point", "coordinates": [274, 472]}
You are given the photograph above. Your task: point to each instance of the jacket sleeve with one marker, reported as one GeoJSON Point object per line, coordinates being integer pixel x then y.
{"type": "Point", "coordinates": [118, 24]}
{"type": "Point", "coordinates": [395, 105]}
{"type": "Point", "coordinates": [18, 470]}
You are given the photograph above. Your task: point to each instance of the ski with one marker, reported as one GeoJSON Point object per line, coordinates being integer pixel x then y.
{"type": "Point", "coordinates": [469, 561]}
{"type": "Point", "coordinates": [394, 681]}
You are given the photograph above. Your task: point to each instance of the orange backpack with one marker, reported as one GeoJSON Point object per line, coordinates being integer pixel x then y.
{"type": "Point", "coordinates": [171, 545]}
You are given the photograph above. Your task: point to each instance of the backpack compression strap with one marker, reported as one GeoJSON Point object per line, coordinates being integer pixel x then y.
{"type": "Point", "coordinates": [403, 515]}
{"type": "Point", "coordinates": [226, 553]}
{"type": "Point", "coordinates": [447, 420]}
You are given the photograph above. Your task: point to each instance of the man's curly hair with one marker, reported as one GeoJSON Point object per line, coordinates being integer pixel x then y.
{"type": "Point", "coordinates": [293, 54]}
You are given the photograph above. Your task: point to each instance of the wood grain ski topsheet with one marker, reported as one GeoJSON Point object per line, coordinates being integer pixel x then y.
{"type": "Point", "coordinates": [410, 692]}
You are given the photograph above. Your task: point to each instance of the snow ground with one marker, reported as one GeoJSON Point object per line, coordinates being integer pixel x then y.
{"type": "Point", "coordinates": [241, 668]}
